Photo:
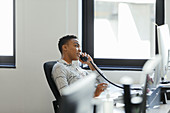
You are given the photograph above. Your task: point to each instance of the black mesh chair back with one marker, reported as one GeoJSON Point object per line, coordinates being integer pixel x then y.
{"type": "Point", "coordinates": [48, 69]}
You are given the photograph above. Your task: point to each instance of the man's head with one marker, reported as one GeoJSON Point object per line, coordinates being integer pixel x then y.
{"type": "Point", "coordinates": [64, 40]}
{"type": "Point", "coordinates": [69, 47]}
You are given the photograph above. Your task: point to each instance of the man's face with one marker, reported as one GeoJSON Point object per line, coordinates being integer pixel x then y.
{"type": "Point", "coordinates": [73, 49]}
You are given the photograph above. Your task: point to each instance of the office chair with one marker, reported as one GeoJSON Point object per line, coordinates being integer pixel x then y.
{"type": "Point", "coordinates": [48, 69]}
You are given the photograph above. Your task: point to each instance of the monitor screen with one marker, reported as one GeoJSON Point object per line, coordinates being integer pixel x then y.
{"type": "Point", "coordinates": [76, 98]}
{"type": "Point", "coordinates": [163, 45]}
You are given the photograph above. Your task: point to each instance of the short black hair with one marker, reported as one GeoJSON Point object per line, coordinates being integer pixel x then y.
{"type": "Point", "coordinates": [63, 40]}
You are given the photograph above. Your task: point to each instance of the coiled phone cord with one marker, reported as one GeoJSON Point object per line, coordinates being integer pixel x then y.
{"type": "Point", "coordinates": [109, 80]}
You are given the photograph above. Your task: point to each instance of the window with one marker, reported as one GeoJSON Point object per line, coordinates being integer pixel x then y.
{"type": "Point", "coordinates": [7, 35]}
{"type": "Point", "coordinates": [121, 34]}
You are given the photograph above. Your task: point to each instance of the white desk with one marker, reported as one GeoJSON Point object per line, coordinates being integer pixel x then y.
{"type": "Point", "coordinates": [163, 108]}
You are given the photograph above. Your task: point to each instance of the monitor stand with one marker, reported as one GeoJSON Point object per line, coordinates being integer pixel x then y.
{"type": "Point", "coordinates": [154, 98]}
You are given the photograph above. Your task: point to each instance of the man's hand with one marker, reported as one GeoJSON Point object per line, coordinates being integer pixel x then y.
{"type": "Point", "coordinates": [100, 88]}
{"type": "Point", "coordinates": [89, 61]}
{"type": "Point", "coordinates": [88, 58]}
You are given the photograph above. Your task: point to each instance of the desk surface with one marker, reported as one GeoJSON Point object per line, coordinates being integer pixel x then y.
{"type": "Point", "coordinates": [163, 108]}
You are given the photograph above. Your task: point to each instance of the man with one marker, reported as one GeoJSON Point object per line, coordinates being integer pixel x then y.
{"type": "Point", "coordinates": [65, 72]}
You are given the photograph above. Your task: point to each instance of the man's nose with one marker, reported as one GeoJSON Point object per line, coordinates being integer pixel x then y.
{"type": "Point", "coordinates": [79, 50]}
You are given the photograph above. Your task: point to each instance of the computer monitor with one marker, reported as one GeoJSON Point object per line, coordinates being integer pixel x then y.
{"type": "Point", "coordinates": [151, 90]}
{"type": "Point", "coordinates": [163, 47]}
{"type": "Point", "coordinates": [76, 98]}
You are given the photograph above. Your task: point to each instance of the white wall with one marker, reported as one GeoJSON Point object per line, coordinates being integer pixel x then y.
{"type": "Point", "coordinates": [39, 24]}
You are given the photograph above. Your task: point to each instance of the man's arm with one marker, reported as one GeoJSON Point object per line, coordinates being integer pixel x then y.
{"type": "Point", "coordinates": [101, 82]}
{"type": "Point", "coordinates": [59, 77]}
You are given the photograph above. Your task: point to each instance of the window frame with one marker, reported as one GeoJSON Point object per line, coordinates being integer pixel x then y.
{"type": "Point", "coordinates": [88, 39]}
{"type": "Point", "coordinates": [10, 61]}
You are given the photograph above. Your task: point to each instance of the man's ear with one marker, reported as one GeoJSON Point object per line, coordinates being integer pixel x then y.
{"type": "Point", "coordinates": [64, 47]}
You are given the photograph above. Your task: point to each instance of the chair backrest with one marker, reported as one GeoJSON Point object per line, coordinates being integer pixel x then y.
{"type": "Point", "coordinates": [48, 69]}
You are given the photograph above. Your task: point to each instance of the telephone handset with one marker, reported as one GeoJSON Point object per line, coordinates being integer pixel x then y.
{"type": "Point", "coordinates": [84, 59]}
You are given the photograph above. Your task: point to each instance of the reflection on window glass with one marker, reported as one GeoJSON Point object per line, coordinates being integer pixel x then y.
{"type": "Point", "coordinates": [6, 28]}
{"type": "Point", "coordinates": [124, 29]}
